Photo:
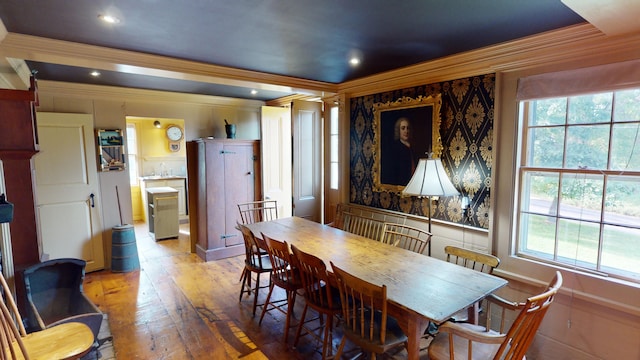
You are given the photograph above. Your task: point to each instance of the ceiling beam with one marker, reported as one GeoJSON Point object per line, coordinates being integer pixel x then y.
{"type": "Point", "coordinates": [60, 52]}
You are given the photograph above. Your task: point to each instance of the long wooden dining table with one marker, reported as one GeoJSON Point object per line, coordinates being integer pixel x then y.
{"type": "Point", "coordinates": [419, 288]}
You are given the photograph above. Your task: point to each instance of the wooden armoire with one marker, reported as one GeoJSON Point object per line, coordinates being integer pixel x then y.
{"type": "Point", "coordinates": [18, 145]}
{"type": "Point", "coordinates": [221, 174]}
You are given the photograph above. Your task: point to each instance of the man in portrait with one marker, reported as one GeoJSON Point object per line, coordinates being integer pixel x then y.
{"type": "Point", "coordinates": [405, 139]}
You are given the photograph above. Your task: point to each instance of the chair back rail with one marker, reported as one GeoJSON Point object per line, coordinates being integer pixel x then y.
{"type": "Point", "coordinates": [320, 295]}
{"type": "Point", "coordinates": [256, 262]}
{"type": "Point", "coordinates": [364, 314]}
{"type": "Point", "coordinates": [406, 237]}
{"type": "Point", "coordinates": [524, 327]}
{"type": "Point", "coordinates": [258, 211]}
{"type": "Point", "coordinates": [463, 340]}
{"type": "Point", "coordinates": [364, 221]}
{"type": "Point", "coordinates": [360, 225]}
{"type": "Point", "coordinates": [285, 275]}
{"type": "Point", "coordinates": [472, 259]}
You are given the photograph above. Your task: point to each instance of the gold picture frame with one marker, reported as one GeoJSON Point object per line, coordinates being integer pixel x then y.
{"type": "Point", "coordinates": [392, 169]}
{"type": "Point", "coordinates": [111, 155]}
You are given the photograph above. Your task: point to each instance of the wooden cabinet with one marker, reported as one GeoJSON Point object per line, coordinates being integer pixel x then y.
{"type": "Point", "coordinates": [221, 173]}
{"type": "Point", "coordinates": [18, 144]}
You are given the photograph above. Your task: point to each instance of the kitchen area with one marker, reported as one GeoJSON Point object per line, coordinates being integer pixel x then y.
{"type": "Point", "coordinates": [158, 174]}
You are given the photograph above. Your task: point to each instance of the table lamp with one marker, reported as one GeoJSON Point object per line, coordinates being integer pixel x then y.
{"type": "Point", "coordinates": [430, 180]}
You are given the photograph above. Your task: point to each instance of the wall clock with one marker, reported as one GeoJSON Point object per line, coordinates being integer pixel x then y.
{"type": "Point", "coordinates": [174, 133]}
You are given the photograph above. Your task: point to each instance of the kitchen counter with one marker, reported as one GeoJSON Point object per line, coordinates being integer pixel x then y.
{"type": "Point", "coordinates": [158, 177]}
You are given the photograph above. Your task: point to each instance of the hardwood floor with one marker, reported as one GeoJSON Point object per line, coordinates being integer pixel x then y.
{"type": "Point", "coordinates": [180, 307]}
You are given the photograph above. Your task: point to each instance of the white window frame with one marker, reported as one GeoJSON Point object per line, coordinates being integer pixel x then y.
{"type": "Point", "coordinates": [594, 223]}
{"type": "Point", "coordinates": [601, 291]}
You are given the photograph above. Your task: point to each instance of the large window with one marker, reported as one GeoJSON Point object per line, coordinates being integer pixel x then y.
{"type": "Point", "coordinates": [579, 179]}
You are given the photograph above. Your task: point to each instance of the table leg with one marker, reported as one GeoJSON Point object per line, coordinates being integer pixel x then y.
{"type": "Point", "coordinates": [414, 328]}
{"type": "Point", "coordinates": [473, 313]}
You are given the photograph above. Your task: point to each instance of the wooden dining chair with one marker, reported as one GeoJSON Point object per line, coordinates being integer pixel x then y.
{"type": "Point", "coordinates": [321, 296]}
{"type": "Point", "coordinates": [285, 275]}
{"type": "Point", "coordinates": [473, 342]}
{"type": "Point", "coordinates": [365, 321]}
{"type": "Point", "coordinates": [70, 340]}
{"type": "Point", "coordinates": [360, 225]}
{"type": "Point", "coordinates": [406, 237]}
{"type": "Point", "coordinates": [258, 211]}
{"type": "Point", "coordinates": [474, 260]}
{"type": "Point", "coordinates": [256, 262]}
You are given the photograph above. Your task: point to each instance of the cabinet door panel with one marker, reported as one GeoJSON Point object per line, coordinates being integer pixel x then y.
{"type": "Point", "coordinates": [239, 183]}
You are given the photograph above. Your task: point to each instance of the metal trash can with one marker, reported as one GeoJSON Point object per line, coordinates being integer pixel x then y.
{"type": "Point", "coordinates": [124, 252]}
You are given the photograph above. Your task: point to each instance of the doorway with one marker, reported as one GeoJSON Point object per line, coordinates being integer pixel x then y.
{"type": "Point", "coordinates": [156, 158]}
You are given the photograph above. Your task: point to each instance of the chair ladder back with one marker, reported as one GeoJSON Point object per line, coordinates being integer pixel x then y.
{"type": "Point", "coordinates": [471, 259]}
{"type": "Point", "coordinates": [12, 307]}
{"type": "Point", "coordinates": [406, 237]}
{"type": "Point", "coordinates": [361, 225]}
{"type": "Point", "coordinates": [360, 300]}
{"type": "Point", "coordinates": [524, 327]}
{"type": "Point", "coordinates": [253, 255]}
{"type": "Point", "coordinates": [284, 271]}
{"type": "Point", "coordinates": [338, 221]}
{"type": "Point", "coordinates": [10, 337]}
{"type": "Point", "coordinates": [258, 211]}
{"type": "Point", "coordinates": [315, 278]}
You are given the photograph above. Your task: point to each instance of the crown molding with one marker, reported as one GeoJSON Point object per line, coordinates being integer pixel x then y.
{"type": "Point", "coordinates": [86, 91]}
{"type": "Point", "coordinates": [40, 49]}
{"type": "Point", "coordinates": [579, 42]}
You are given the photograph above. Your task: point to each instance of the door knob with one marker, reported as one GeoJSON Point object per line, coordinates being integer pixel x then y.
{"type": "Point", "coordinates": [91, 200]}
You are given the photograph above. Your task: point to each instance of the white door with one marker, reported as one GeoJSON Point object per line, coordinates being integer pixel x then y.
{"type": "Point", "coordinates": [307, 159]}
{"type": "Point", "coordinates": [67, 204]}
{"type": "Point", "coordinates": [276, 157]}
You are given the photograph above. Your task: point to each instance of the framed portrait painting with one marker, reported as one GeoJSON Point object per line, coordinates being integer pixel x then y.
{"type": "Point", "coordinates": [405, 131]}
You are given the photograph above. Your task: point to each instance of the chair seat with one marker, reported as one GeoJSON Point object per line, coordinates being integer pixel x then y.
{"type": "Point", "coordinates": [439, 347]}
{"type": "Point", "coordinates": [53, 342]}
{"type": "Point", "coordinates": [291, 281]}
{"type": "Point", "coordinates": [266, 265]}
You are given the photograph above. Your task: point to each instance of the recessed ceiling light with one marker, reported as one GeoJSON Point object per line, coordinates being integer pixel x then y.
{"type": "Point", "coordinates": [109, 19]}
{"type": "Point", "coordinates": [355, 57]}
{"type": "Point", "coordinates": [254, 92]}
{"type": "Point", "coordinates": [95, 73]}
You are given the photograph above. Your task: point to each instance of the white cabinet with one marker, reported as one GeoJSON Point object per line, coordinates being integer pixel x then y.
{"type": "Point", "coordinates": [163, 212]}
{"type": "Point", "coordinates": [178, 183]}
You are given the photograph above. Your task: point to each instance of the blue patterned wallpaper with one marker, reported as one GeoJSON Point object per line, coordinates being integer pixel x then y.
{"type": "Point", "coordinates": [467, 137]}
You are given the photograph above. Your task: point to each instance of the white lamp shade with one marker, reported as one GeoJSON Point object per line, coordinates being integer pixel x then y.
{"type": "Point", "coordinates": [430, 179]}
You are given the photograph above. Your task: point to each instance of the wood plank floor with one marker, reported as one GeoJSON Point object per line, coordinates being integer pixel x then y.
{"type": "Point", "coordinates": [180, 307]}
